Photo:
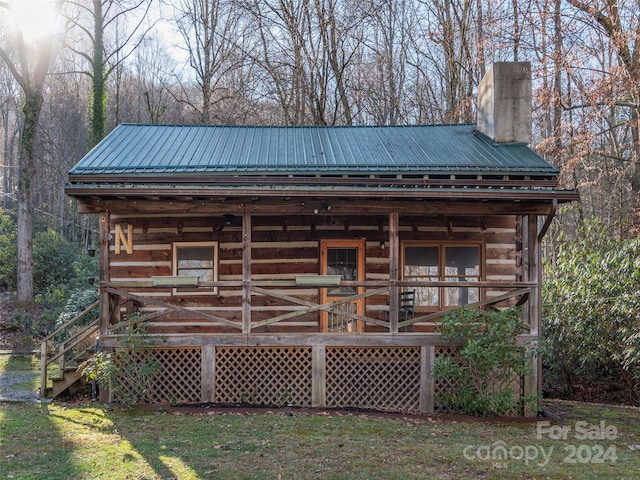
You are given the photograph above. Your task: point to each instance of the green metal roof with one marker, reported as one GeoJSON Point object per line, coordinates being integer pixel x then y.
{"type": "Point", "coordinates": [188, 150]}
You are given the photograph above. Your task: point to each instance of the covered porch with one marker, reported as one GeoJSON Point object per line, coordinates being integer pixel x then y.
{"type": "Point", "coordinates": [261, 338]}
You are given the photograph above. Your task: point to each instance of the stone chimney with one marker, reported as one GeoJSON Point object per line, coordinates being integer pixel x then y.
{"type": "Point", "coordinates": [504, 103]}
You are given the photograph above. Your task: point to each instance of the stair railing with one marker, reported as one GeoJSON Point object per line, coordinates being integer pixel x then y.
{"type": "Point", "coordinates": [47, 358]}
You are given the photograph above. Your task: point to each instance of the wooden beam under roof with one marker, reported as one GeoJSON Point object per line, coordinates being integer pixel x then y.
{"type": "Point", "coordinates": [248, 192]}
{"type": "Point", "coordinates": [339, 206]}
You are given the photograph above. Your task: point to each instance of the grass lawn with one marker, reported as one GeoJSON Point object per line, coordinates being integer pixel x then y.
{"type": "Point", "coordinates": [58, 441]}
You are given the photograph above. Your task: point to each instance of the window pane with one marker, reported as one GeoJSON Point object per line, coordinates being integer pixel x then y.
{"type": "Point", "coordinates": [421, 261]}
{"type": "Point", "coordinates": [203, 275]}
{"type": "Point", "coordinates": [460, 296]}
{"type": "Point", "coordinates": [421, 264]}
{"type": "Point", "coordinates": [426, 296]}
{"type": "Point", "coordinates": [343, 261]}
{"type": "Point", "coordinates": [462, 264]}
{"type": "Point", "coordinates": [196, 260]}
{"type": "Point", "coordinates": [188, 256]}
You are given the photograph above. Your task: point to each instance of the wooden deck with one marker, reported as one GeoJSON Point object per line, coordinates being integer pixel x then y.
{"type": "Point", "coordinates": [384, 369]}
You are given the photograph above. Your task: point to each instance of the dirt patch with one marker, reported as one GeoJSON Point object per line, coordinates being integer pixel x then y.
{"type": "Point", "coordinates": [557, 411]}
{"type": "Point", "coordinates": [217, 409]}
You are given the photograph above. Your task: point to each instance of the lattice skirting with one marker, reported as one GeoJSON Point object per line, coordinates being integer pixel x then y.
{"type": "Point", "coordinates": [263, 375]}
{"type": "Point", "coordinates": [158, 375]}
{"type": "Point", "coordinates": [380, 378]}
{"type": "Point", "coordinates": [443, 387]}
{"type": "Point", "coordinates": [377, 378]}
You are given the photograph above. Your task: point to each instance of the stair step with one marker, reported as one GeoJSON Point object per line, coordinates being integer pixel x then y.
{"type": "Point", "coordinates": [79, 345]}
{"type": "Point", "coordinates": [69, 380]}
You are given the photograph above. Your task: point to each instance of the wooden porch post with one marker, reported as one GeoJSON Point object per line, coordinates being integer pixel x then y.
{"type": "Point", "coordinates": [246, 272]}
{"type": "Point", "coordinates": [208, 374]}
{"type": "Point", "coordinates": [105, 303]}
{"type": "Point", "coordinates": [394, 269]}
{"type": "Point", "coordinates": [105, 314]}
{"type": "Point", "coordinates": [533, 274]}
{"type": "Point", "coordinates": [318, 376]}
{"type": "Point", "coordinates": [427, 356]}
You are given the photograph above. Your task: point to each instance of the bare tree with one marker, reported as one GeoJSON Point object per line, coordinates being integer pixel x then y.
{"type": "Point", "coordinates": [10, 128]}
{"type": "Point", "coordinates": [447, 61]}
{"type": "Point", "coordinates": [29, 63]}
{"type": "Point", "coordinates": [210, 30]}
{"type": "Point", "coordinates": [154, 70]}
{"type": "Point", "coordinates": [146, 87]}
{"type": "Point", "coordinates": [279, 26]}
{"type": "Point", "coordinates": [382, 76]}
{"type": "Point", "coordinates": [307, 50]}
{"type": "Point", "coordinates": [101, 22]}
{"type": "Point", "coordinates": [62, 142]}
{"type": "Point", "coordinates": [608, 87]}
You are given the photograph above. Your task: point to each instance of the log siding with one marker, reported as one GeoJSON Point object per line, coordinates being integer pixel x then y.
{"type": "Point", "coordinates": [280, 251]}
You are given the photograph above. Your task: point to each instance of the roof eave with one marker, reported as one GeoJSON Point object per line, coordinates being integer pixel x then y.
{"type": "Point", "coordinates": [471, 179]}
{"type": "Point", "coordinates": [387, 192]}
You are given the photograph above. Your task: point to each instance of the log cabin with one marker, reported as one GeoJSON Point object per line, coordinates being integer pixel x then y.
{"type": "Point", "coordinates": [310, 265]}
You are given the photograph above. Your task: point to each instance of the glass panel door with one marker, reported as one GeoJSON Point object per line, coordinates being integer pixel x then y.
{"type": "Point", "coordinates": [344, 258]}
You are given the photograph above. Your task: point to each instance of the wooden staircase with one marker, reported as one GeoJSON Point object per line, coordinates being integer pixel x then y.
{"type": "Point", "coordinates": [78, 345]}
{"type": "Point", "coordinates": [71, 381]}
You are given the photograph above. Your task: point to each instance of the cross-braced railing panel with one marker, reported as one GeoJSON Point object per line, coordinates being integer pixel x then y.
{"type": "Point", "coordinates": [381, 378]}
{"type": "Point", "coordinates": [263, 375]}
{"type": "Point", "coordinates": [158, 375]}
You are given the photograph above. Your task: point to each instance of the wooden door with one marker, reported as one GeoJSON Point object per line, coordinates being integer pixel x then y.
{"type": "Point", "coordinates": [345, 258]}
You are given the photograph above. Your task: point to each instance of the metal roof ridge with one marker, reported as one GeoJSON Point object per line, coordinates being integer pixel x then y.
{"type": "Point", "coordinates": [294, 127]}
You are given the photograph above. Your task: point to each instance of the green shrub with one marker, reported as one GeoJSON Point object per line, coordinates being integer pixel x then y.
{"type": "Point", "coordinates": [53, 260]}
{"type": "Point", "coordinates": [131, 370]}
{"type": "Point", "coordinates": [61, 273]}
{"type": "Point", "coordinates": [489, 364]}
{"type": "Point", "coordinates": [57, 263]}
{"type": "Point", "coordinates": [60, 278]}
{"type": "Point", "coordinates": [77, 301]}
{"type": "Point", "coordinates": [591, 306]}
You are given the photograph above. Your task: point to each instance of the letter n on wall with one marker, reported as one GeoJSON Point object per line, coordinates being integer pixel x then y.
{"type": "Point", "coordinates": [126, 240]}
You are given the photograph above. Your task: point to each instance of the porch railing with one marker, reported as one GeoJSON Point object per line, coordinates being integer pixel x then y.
{"type": "Point", "coordinates": [118, 294]}
{"type": "Point", "coordinates": [317, 369]}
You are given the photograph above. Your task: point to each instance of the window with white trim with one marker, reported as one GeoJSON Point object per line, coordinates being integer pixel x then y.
{"type": "Point", "coordinates": [442, 262]}
{"type": "Point", "coordinates": [197, 259]}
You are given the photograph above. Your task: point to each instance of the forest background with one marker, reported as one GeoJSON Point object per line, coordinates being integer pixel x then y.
{"type": "Point", "coordinates": [93, 64]}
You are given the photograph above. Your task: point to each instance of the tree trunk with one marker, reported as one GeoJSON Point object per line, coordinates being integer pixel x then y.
{"type": "Point", "coordinates": [98, 90]}
{"type": "Point", "coordinates": [27, 171]}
